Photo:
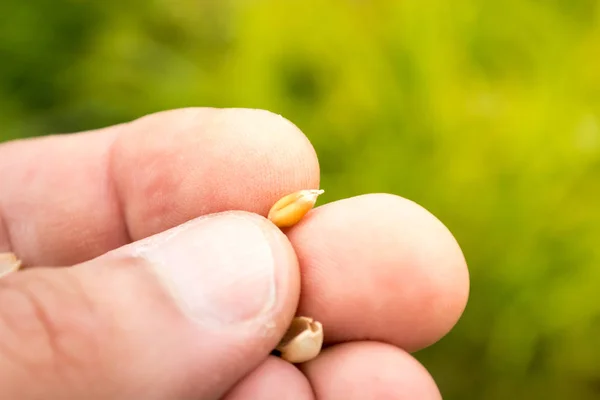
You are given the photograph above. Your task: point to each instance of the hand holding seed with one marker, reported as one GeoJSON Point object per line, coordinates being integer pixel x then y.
{"type": "Point", "coordinates": [160, 261]}
{"type": "Point", "coordinates": [304, 338]}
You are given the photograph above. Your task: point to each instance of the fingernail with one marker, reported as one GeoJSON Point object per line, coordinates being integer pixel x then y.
{"type": "Point", "coordinates": [220, 269]}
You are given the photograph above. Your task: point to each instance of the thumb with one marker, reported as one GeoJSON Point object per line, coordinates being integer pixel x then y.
{"type": "Point", "coordinates": [180, 315]}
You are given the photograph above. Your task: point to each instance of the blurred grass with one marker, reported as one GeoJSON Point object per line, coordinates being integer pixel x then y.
{"type": "Point", "coordinates": [487, 113]}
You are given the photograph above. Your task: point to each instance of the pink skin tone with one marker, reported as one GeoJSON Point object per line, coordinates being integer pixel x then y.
{"type": "Point", "coordinates": [382, 274]}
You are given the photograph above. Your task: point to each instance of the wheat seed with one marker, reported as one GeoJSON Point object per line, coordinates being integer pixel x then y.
{"type": "Point", "coordinates": [290, 209]}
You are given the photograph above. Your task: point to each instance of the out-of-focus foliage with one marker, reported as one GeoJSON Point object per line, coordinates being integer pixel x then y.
{"type": "Point", "coordinates": [485, 112]}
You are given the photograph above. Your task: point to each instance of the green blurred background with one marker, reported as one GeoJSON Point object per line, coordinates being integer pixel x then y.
{"type": "Point", "coordinates": [485, 112]}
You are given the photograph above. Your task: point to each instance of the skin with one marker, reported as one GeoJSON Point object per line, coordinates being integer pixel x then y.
{"type": "Point", "coordinates": [381, 273]}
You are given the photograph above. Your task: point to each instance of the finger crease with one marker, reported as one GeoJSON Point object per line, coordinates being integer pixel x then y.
{"type": "Point", "coordinates": [114, 188]}
{"type": "Point", "coordinates": [5, 235]}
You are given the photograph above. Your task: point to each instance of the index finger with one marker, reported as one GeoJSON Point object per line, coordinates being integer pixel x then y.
{"type": "Point", "coordinates": [65, 199]}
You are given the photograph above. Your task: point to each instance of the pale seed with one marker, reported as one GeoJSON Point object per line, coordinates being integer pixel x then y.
{"type": "Point", "coordinates": [290, 209]}
{"type": "Point", "coordinates": [8, 263]}
{"type": "Point", "coordinates": [302, 342]}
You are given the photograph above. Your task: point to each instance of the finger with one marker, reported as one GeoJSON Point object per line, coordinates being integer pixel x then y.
{"type": "Point", "coordinates": [184, 314]}
{"type": "Point", "coordinates": [380, 267]}
{"type": "Point", "coordinates": [66, 199]}
{"type": "Point", "coordinates": [369, 370]}
{"type": "Point", "coordinates": [275, 379]}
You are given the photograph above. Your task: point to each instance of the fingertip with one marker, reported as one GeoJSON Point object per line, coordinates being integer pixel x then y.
{"type": "Point", "coordinates": [274, 379]}
{"type": "Point", "coordinates": [176, 165]}
{"type": "Point", "coordinates": [369, 370]}
{"type": "Point", "coordinates": [443, 280]}
{"type": "Point", "coordinates": [224, 270]}
{"type": "Point", "coordinates": [382, 267]}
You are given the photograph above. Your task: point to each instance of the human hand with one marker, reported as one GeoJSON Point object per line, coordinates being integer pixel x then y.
{"type": "Point", "coordinates": [152, 287]}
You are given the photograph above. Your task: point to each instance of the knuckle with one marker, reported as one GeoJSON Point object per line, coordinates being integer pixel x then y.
{"type": "Point", "coordinates": [48, 326]}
